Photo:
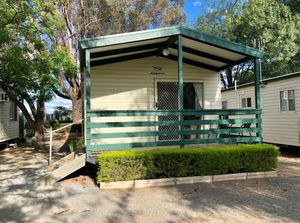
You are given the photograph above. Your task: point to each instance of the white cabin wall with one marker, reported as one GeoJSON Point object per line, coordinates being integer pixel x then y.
{"type": "Point", "coordinates": [8, 129]}
{"type": "Point", "coordinates": [278, 127]}
{"type": "Point", "coordinates": [234, 99]}
{"type": "Point", "coordinates": [130, 86]}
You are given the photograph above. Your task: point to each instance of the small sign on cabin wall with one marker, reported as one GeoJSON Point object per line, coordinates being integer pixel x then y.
{"type": "Point", "coordinates": [157, 71]}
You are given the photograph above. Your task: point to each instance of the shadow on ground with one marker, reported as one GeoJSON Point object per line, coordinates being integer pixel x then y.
{"type": "Point", "coordinates": [21, 200]}
{"type": "Point", "coordinates": [263, 200]}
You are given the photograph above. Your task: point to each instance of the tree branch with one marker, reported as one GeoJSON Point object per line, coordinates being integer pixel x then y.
{"type": "Point", "coordinates": [68, 24]}
{"type": "Point", "coordinates": [60, 94]}
{"type": "Point", "coordinates": [20, 105]}
{"type": "Point", "coordinates": [223, 80]}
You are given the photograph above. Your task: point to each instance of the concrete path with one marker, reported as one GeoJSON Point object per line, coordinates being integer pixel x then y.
{"type": "Point", "coordinates": [262, 200]}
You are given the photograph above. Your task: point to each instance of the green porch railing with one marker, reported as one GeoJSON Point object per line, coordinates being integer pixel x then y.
{"type": "Point", "coordinates": [230, 130]}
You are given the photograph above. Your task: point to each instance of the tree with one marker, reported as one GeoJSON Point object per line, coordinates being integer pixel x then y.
{"type": "Point", "coordinates": [26, 62]}
{"type": "Point", "coordinates": [86, 19]}
{"type": "Point", "coordinates": [268, 24]}
{"type": "Point", "coordinates": [61, 113]}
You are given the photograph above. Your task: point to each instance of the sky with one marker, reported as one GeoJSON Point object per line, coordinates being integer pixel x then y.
{"type": "Point", "coordinates": [192, 11]}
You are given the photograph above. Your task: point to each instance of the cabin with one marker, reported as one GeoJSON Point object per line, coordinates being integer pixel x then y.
{"type": "Point", "coordinates": [9, 119]}
{"type": "Point", "coordinates": [161, 87]}
{"type": "Point", "coordinates": [280, 99]}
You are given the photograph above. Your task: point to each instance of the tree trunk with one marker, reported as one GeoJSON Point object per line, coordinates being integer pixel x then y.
{"type": "Point", "coordinates": [39, 140]}
{"type": "Point", "coordinates": [76, 109]}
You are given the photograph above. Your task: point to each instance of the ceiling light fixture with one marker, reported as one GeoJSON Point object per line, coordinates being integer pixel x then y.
{"type": "Point", "coordinates": [166, 52]}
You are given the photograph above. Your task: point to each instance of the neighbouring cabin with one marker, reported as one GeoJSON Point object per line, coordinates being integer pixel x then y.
{"type": "Point", "coordinates": [280, 98]}
{"type": "Point", "coordinates": [9, 120]}
{"type": "Point", "coordinates": [162, 88]}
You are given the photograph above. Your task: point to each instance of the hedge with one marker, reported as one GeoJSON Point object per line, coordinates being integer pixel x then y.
{"type": "Point", "coordinates": [182, 162]}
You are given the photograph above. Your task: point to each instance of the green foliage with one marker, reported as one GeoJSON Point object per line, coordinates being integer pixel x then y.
{"type": "Point", "coordinates": [56, 124]}
{"type": "Point", "coordinates": [28, 61]}
{"type": "Point", "coordinates": [182, 162]}
{"type": "Point", "coordinates": [29, 130]}
{"type": "Point", "coordinates": [75, 20]}
{"type": "Point", "coordinates": [272, 25]}
{"type": "Point", "coordinates": [76, 145]}
{"type": "Point", "coordinates": [62, 113]}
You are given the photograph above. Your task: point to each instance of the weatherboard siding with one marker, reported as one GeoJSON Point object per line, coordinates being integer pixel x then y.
{"type": "Point", "coordinates": [8, 129]}
{"type": "Point", "coordinates": [130, 86]}
{"type": "Point", "coordinates": [278, 127]}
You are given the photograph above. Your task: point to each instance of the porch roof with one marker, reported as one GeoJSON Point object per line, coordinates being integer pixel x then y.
{"type": "Point", "coordinates": [199, 49]}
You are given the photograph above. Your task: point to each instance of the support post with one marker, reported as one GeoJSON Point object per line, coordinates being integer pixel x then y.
{"type": "Point", "coordinates": [257, 67]}
{"type": "Point", "coordinates": [180, 83]}
{"type": "Point", "coordinates": [87, 82]}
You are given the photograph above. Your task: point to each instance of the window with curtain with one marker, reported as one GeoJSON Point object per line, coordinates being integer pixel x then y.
{"type": "Point", "coordinates": [291, 100]}
{"type": "Point", "coordinates": [198, 87]}
{"type": "Point", "coordinates": [287, 100]}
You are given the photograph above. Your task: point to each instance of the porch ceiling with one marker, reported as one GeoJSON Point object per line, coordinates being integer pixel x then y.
{"type": "Point", "coordinates": [198, 49]}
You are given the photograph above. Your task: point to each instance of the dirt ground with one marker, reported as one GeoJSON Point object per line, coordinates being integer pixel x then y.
{"type": "Point", "coordinates": [78, 199]}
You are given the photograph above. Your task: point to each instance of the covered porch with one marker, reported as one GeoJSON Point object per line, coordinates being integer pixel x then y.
{"type": "Point", "coordinates": [185, 115]}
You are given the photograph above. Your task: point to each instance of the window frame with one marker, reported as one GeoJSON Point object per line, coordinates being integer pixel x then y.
{"type": "Point", "coordinates": [223, 103]}
{"type": "Point", "coordinates": [282, 94]}
{"type": "Point", "coordinates": [245, 104]}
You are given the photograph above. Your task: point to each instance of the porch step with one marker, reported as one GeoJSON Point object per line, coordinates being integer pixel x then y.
{"type": "Point", "coordinates": [62, 168]}
{"type": "Point", "coordinates": [62, 161]}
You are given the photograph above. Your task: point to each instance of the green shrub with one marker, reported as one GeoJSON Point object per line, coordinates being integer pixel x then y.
{"type": "Point", "coordinates": [29, 130]}
{"type": "Point", "coordinates": [76, 145]}
{"type": "Point", "coordinates": [182, 162]}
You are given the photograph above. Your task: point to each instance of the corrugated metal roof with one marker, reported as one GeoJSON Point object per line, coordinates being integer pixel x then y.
{"type": "Point", "coordinates": [267, 80]}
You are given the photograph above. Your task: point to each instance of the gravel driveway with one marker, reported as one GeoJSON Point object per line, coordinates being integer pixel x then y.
{"type": "Point", "coordinates": [261, 200]}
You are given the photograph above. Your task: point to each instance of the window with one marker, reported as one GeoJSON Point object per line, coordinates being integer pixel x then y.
{"type": "Point", "coordinates": [291, 100]}
{"type": "Point", "coordinates": [246, 103]}
{"type": "Point", "coordinates": [224, 104]}
{"type": "Point", "coordinates": [249, 103]}
{"type": "Point", "coordinates": [3, 97]}
{"type": "Point", "coordinates": [287, 100]}
{"type": "Point", "coordinates": [13, 112]}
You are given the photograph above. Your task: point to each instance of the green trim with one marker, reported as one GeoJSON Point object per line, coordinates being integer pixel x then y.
{"type": "Point", "coordinates": [180, 81]}
{"type": "Point", "coordinates": [170, 123]}
{"type": "Point", "coordinates": [126, 50]}
{"type": "Point", "coordinates": [221, 43]}
{"type": "Point", "coordinates": [166, 32]}
{"type": "Point", "coordinates": [195, 63]}
{"type": "Point", "coordinates": [87, 101]}
{"type": "Point", "coordinates": [107, 113]}
{"type": "Point", "coordinates": [204, 54]}
{"type": "Point", "coordinates": [122, 146]}
{"type": "Point", "coordinates": [88, 80]}
{"type": "Point", "coordinates": [257, 67]}
{"type": "Point", "coordinates": [170, 133]}
{"type": "Point", "coordinates": [257, 83]}
{"type": "Point", "coordinates": [182, 132]}
{"type": "Point", "coordinates": [122, 58]}
{"type": "Point", "coordinates": [267, 80]}
{"type": "Point", "coordinates": [180, 73]}
{"type": "Point", "coordinates": [129, 37]}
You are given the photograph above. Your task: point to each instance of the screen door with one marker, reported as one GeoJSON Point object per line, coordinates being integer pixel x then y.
{"type": "Point", "coordinates": [167, 99]}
